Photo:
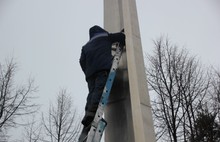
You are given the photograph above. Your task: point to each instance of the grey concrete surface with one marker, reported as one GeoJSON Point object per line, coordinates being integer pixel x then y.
{"type": "Point", "coordinates": [128, 112]}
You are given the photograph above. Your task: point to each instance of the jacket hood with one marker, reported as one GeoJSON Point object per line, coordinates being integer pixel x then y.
{"type": "Point", "coordinates": [96, 30]}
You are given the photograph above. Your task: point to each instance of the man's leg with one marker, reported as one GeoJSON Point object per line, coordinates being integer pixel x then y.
{"type": "Point", "coordinates": [88, 117]}
{"type": "Point", "coordinates": [98, 84]}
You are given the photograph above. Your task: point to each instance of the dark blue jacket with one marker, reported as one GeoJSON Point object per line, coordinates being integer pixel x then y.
{"type": "Point", "coordinates": [96, 53]}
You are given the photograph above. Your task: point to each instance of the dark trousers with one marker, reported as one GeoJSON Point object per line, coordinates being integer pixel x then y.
{"type": "Point", "coordinates": [96, 84]}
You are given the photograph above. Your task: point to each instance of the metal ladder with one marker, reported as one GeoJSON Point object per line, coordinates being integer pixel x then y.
{"type": "Point", "coordinates": [99, 124]}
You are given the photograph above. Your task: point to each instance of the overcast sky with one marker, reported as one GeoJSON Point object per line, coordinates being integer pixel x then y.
{"type": "Point", "coordinates": [45, 37]}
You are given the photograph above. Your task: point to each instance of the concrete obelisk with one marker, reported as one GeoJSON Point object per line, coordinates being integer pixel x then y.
{"type": "Point", "coordinates": [128, 112]}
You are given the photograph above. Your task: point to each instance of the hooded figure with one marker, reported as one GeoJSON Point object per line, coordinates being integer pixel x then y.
{"type": "Point", "coordinates": [96, 62]}
{"type": "Point", "coordinates": [96, 54]}
{"type": "Point", "coordinates": [95, 30]}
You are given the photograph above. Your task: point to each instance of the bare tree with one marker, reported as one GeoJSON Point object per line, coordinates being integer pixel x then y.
{"type": "Point", "coordinates": [180, 85]}
{"type": "Point", "coordinates": [14, 101]}
{"type": "Point", "coordinates": [62, 124]}
{"type": "Point", "coordinates": [215, 93]}
{"type": "Point", "coordinates": [3, 137]}
{"type": "Point", "coordinates": [33, 131]}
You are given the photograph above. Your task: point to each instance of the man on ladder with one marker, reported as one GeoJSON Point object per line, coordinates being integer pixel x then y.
{"type": "Point", "coordinates": [96, 62]}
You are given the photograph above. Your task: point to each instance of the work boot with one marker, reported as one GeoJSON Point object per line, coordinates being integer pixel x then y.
{"type": "Point", "coordinates": [84, 134]}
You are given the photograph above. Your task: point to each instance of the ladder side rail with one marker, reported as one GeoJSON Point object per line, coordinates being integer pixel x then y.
{"type": "Point", "coordinates": [99, 130]}
{"type": "Point", "coordinates": [105, 95]}
{"type": "Point", "coordinates": [106, 92]}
